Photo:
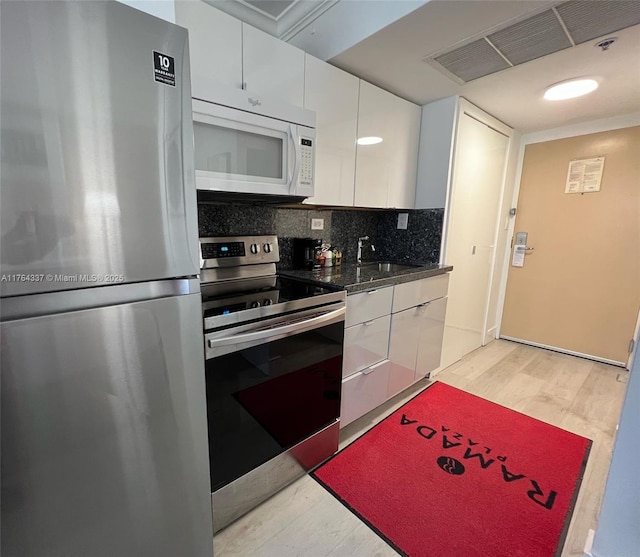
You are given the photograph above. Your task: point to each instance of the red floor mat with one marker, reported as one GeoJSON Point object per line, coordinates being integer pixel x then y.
{"type": "Point", "coordinates": [450, 474]}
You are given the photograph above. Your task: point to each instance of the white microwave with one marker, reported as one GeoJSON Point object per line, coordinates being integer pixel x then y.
{"type": "Point", "coordinates": [239, 149]}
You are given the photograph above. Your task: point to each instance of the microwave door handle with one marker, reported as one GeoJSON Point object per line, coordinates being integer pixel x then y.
{"type": "Point", "coordinates": [295, 143]}
{"type": "Point", "coordinates": [281, 331]}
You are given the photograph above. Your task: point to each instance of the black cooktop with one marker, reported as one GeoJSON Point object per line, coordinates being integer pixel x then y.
{"type": "Point", "coordinates": [245, 294]}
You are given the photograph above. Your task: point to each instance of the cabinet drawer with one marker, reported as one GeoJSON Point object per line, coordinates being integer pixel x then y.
{"type": "Point", "coordinates": [365, 344]}
{"type": "Point", "coordinates": [365, 306]}
{"type": "Point", "coordinates": [418, 292]}
{"type": "Point", "coordinates": [364, 391]}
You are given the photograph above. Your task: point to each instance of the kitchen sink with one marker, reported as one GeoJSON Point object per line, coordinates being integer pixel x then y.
{"type": "Point", "coordinates": [386, 267]}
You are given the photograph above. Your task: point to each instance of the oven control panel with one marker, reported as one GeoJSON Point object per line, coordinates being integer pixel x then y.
{"type": "Point", "coordinates": [214, 250]}
{"type": "Point", "coordinates": [236, 251]}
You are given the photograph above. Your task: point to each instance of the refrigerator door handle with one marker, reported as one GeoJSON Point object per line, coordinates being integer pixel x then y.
{"type": "Point", "coordinates": [49, 303]}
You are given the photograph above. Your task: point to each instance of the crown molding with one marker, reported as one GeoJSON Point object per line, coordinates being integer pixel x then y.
{"type": "Point", "coordinates": [301, 14]}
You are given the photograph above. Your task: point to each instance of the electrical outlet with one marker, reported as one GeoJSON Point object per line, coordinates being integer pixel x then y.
{"type": "Point", "coordinates": [403, 220]}
{"type": "Point", "coordinates": [317, 224]}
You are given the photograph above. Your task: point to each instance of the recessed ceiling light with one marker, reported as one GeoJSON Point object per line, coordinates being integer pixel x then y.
{"type": "Point", "coordinates": [570, 89]}
{"type": "Point", "coordinates": [371, 140]}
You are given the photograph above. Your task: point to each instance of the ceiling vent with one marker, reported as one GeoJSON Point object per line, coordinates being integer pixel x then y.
{"type": "Point", "coordinates": [473, 60]}
{"type": "Point", "coordinates": [552, 30]}
{"type": "Point", "coordinates": [588, 20]}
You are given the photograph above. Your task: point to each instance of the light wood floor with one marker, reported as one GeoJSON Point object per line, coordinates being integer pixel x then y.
{"type": "Point", "coordinates": [585, 397]}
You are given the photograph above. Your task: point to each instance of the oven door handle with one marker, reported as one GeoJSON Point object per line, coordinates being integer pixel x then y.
{"type": "Point", "coordinates": [287, 329]}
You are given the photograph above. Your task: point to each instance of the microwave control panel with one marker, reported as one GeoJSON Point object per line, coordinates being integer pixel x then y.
{"type": "Point", "coordinates": [306, 161]}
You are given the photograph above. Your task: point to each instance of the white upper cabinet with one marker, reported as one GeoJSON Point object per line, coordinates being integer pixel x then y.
{"type": "Point", "coordinates": [333, 95]}
{"type": "Point", "coordinates": [225, 51]}
{"type": "Point", "coordinates": [373, 162]}
{"type": "Point", "coordinates": [386, 171]}
{"type": "Point", "coordinates": [272, 67]}
{"type": "Point", "coordinates": [215, 47]}
{"type": "Point", "coordinates": [437, 138]}
{"type": "Point", "coordinates": [402, 188]}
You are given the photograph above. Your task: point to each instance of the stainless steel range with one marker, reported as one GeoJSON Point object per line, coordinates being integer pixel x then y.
{"type": "Point", "coordinates": [273, 349]}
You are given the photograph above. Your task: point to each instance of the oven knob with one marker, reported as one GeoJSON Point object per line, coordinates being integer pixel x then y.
{"type": "Point", "coordinates": [255, 304]}
{"type": "Point", "coordinates": [267, 302]}
{"type": "Point", "coordinates": [254, 248]}
{"type": "Point", "coordinates": [267, 248]}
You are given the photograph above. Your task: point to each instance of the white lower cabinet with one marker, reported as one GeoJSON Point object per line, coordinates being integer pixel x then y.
{"type": "Point", "coordinates": [431, 333]}
{"type": "Point", "coordinates": [364, 391]}
{"type": "Point", "coordinates": [415, 345]}
{"type": "Point", "coordinates": [393, 338]}
{"type": "Point", "coordinates": [403, 348]}
{"type": "Point", "coordinates": [365, 344]}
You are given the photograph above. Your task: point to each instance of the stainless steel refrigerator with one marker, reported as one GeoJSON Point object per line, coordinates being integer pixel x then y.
{"type": "Point", "coordinates": [103, 411]}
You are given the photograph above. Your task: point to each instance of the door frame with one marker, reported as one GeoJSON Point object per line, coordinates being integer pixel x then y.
{"type": "Point", "coordinates": [575, 130]}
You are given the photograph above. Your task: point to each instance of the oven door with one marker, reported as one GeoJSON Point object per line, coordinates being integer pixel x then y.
{"type": "Point", "coordinates": [241, 152]}
{"type": "Point", "coordinates": [270, 385]}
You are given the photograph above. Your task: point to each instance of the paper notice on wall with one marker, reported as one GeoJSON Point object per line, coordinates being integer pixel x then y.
{"type": "Point", "coordinates": [518, 256]}
{"type": "Point", "coordinates": [584, 175]}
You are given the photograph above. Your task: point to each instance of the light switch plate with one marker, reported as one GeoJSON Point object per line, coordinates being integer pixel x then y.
{"type": "Point", "coordinates": [317, 224]}
{"type": "Point", "coordinates": [403, 220]}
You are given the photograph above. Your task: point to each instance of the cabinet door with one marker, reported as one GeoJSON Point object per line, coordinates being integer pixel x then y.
{"type": "Point", "coordinates": [431, 333]}
{"type": "Point", "coordinates": [215, 47]}
{"type": "Point", "coordinates": [365, 344]}
{"type": "Point", "coordinates": [402, 184]}
{"type": "Point", "coordinates": [272, 67]}
{"type": "Point", "coordinates": [386, 171]}
{"type": "Point", "coordinates": [333, 95]}
{"type": "Point", "coordinates": [374, 163]}
{"type": "Point", "coordinates": [403, 348]}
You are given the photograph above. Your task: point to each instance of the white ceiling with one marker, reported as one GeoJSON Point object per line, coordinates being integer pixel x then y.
{"type": "Point", "coordinates": [393, 59]}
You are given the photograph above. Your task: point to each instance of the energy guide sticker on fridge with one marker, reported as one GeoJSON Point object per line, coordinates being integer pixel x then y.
{"type": "Point", "coordinates": [164, 69]}
{"type": "Point", "coordinates": [584, 175]}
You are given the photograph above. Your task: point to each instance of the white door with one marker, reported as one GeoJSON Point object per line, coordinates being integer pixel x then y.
{"type": "Point", "coordinates": [473, 211]}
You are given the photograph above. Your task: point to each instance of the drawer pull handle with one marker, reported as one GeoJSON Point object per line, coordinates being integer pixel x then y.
{"type": "Point", "coordinates": [367, 323]}
{"type": "Point", "coordinates": [372, 368]}
{"type": "Point", "coordinates": [371, 292]}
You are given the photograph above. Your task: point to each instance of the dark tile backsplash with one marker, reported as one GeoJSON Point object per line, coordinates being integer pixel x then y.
{"type": "Point", "coordinates": [420, 243]}
{"type": "Point", "coordinates": [348, 226]}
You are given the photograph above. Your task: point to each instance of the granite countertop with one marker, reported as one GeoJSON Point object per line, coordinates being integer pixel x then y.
{"type": "Point", "coordinates": [354, 278]}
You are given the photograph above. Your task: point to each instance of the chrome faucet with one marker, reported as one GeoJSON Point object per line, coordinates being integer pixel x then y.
{"type": "Point", "coordinates": [360, 240]}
